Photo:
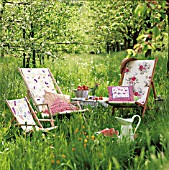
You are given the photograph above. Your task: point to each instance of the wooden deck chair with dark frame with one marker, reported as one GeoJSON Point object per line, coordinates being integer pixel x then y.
{"type": "Point", "coordinates": [25, 116]}
{"type": "Point", "coordinates": [135, 83]}
{"type": "Point", "coordinates": [46, 94]}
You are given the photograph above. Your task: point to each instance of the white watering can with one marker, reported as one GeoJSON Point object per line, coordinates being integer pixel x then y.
{"type": "Point", "coordinates": [126, 127]}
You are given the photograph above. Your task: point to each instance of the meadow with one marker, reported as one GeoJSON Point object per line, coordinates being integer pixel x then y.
{"type": "Point", "coordinates": [74, 146]}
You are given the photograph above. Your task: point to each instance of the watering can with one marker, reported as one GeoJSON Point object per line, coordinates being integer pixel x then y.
{"type": "Point", "coordinates": [126, 127]}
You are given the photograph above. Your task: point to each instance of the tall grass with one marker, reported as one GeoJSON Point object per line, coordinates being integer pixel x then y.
{"type": "Point", "coordinates": [73, 145]}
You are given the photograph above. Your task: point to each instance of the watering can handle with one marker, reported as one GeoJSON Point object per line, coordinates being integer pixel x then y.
{"type": "Point", "coordinates": [138, 121]}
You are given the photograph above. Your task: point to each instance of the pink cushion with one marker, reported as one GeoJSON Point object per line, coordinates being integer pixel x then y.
{"type": "Point", "coordinates": [121, 93]}
{"type": "Point", "coordinates": [57, 103]}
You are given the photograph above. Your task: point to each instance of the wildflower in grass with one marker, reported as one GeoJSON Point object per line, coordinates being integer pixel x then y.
{"type": "Point", "coordinates": [58, 162]}
{"type": "Point", "coordinates": [79, 138]}
{"type": "Point", "coordinates": [51, 147]}
{"type": "Point", "coordinates": [87, 137]}
{"type": "Point", "coordinates": [63, 156]}
{"type": "Point", "coordinates": [83, 127]}
{"type": "Point", "coordinates": [96, 142]}
{"type": "Point", "coordinates": [84, 145]}
{"type": "Point", "coordinates": [76, 130]}
{"type": "Point", "coordinates": [52, 161]}
{"type": "Point", "coordinates": [43, 136]}
{"type": "Point", "coordinates": [92, 137]}
{"type": "Point", "coordinates": [73, 149]}
{"type": "Point", "coordinates": [85, 140]}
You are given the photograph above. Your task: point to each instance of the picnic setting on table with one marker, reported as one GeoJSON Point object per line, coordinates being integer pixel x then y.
{"type": "Point", "coordinates": [48, 99]}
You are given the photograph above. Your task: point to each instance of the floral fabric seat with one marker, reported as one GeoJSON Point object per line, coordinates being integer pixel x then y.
{"type": "Point", "coordinates": [25, 116]}
{"type": "Point", "coordinates": [42, 88]}
{"type": "Point", "coordinates": [37, 81]}
{"type": "Point", "coordinates": [138, 74]}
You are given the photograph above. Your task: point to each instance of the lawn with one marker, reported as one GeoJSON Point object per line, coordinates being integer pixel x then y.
{"type": "Point", "coordinates": [74, 145]}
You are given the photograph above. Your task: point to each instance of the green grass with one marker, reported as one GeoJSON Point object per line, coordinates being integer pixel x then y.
{"type": "Point", "coordinates": [73, 145]}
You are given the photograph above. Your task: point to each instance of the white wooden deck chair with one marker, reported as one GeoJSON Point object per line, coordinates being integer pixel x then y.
{"type": "Point", "coordinates": [26, 117]}
{"type": "Point", "coordinates": [43, 89]}
{"type": "Point", "coordinates": [138, 74]}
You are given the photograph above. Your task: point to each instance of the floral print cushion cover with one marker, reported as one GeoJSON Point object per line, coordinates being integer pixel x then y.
{"type": "Point", "coordinates": [22, 113]}
{"type": "Point", "coordinates": [139, 74]}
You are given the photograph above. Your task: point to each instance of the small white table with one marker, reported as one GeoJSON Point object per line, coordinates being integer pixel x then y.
{"type": "Point", "coordinates": [91, 102]}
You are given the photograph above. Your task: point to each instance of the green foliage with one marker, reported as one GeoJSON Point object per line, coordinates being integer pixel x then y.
{"type": "Point", "coordinates": [153, 14]}
{"type": "Point", "coordinates": [54, 27]}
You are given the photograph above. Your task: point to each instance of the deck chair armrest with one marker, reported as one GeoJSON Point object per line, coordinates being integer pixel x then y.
{"type": "Point", "coordinates": [47, 120]}
{"type": "Point", "coordinates": [18, 124]}
{"type": "Point", "coordinates": [46, 104]}
{"type": "Point", "coordinates": [43, 104]}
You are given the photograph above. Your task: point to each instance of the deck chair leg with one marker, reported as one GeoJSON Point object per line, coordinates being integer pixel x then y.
{"type": "Point", "coordinates": [113, 110]}
{"type": "Point", "coordinates": [12, 119]}
{"type": "Point", "coordinates": [143, 111]}
{"type": "Point", "coordinates": [52, 123]}
{"type": "Point", "coordinates": [153, 87]}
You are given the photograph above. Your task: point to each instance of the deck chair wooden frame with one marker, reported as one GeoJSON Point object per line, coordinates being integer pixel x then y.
{"type": "Point", "coordinates": [26, 117]}
{"type": "Point", "coordinates": [144, 67]}
{"type": "Point", "coordinates": [39, 80]}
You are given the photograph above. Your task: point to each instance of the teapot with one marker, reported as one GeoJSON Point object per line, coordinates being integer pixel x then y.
{"type": "Point", "coordinates": [126, 127]}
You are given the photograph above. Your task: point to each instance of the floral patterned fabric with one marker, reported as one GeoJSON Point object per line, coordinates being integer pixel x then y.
{"type": "Point", "coordinates": [38, 80]}
{"type": "Point", "coordinates": [21, 112]}
{"type": "Point", "coordinates": [138, 74]}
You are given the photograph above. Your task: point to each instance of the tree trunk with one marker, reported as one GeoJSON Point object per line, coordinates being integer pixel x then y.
{"type": "Point", "coordinates": [1, 19]}
{"type": "Point", "coordinates": [135, 36]}
{"type": "Point", "coordinates": [33, 59]}
{"type": "Point", "coordinates": [24, 60]}
{"type": "Point", "coordinates": [27, 62]}
{"type": "Point", "coordinates": [149, 38]}
{"type": "Point", "coordinates": [125, 43]}
{"type": "Point", "coordinates": [33, 50]}
{"type": "Point", "coordinates": [107, 46]}
{"type": "Point", "coordinates": [128, 43]}
{"type": "Point", "coordinates": [117, 46]}
{"type": "Point", "coordinates": [24, 55]}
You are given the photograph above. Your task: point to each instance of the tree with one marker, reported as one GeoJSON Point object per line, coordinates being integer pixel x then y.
{"type": "Point", "coordinates": [154, 27]}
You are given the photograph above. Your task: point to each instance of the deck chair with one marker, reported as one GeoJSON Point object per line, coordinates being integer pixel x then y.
{"type": "Point", "coordinates": [26, 117]}
{"type": "Point", "coordinates": [138, 74]}
{"type": "Point", "coordinates": [40, 83]}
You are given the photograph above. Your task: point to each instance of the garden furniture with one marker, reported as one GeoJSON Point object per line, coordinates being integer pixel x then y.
{"type": "Point", "coordinates": [26, 117]}
{"type": "Point", "coordinates": [138, 75]}
{"type": "Point", "coordinates": [46, 94]}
